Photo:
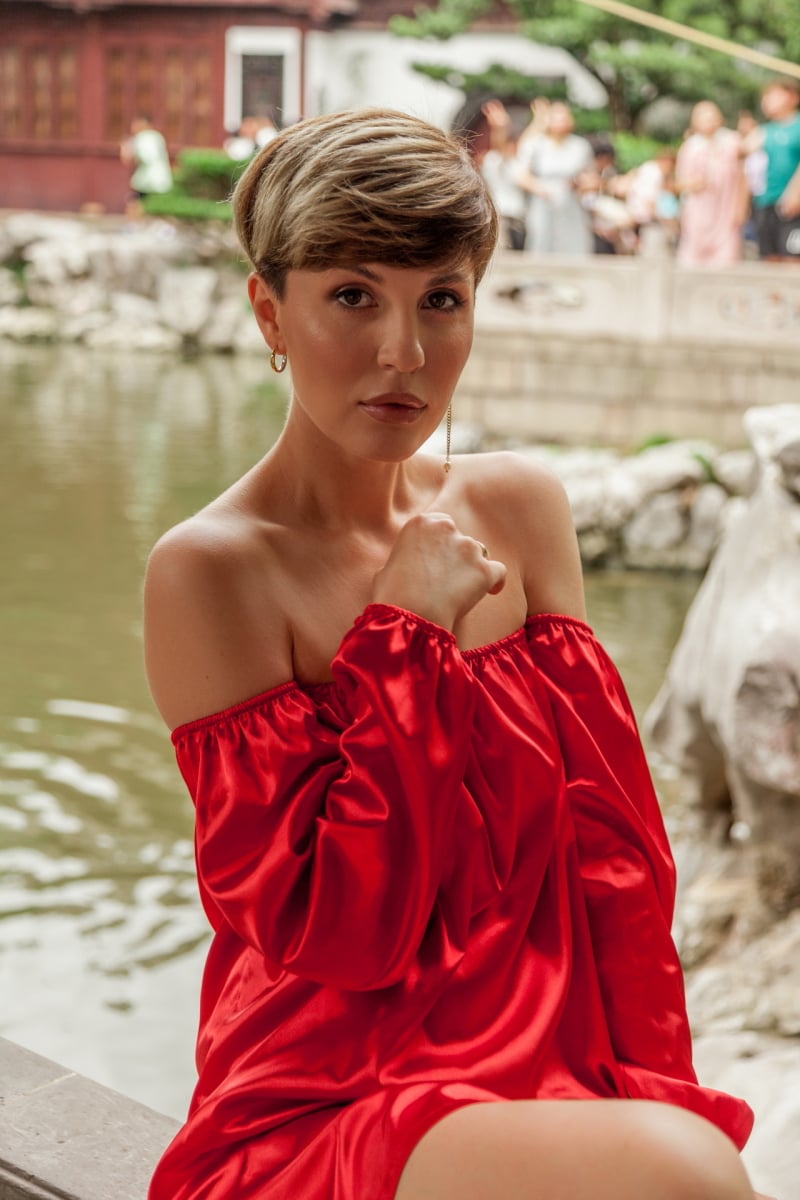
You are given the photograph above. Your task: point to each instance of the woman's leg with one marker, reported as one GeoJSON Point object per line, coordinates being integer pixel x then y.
{"type": "Point", "coordinates": [573, 1150]}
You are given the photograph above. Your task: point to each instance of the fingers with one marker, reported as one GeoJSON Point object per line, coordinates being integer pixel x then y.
{"type": "Point", "coordinates": [499, 571]}
{"type": "Point", "coordinates": [496, 571]}
{"type": "Point", "coordinates": [438, 571]}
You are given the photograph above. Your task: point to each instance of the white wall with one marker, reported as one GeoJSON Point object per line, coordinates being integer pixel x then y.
{"type": "Point", "coordinates": [349, 69]}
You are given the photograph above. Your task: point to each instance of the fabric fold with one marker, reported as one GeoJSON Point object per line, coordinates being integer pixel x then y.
{"type": "Point", "coordinates": [442, 878]}
{"type": "Point", "coordinates": [627, 872]}
{"type": "Point", "coordinates": [323, 847]}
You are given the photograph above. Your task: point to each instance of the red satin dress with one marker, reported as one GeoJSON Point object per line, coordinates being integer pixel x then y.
{"type": "Point", "coordinates": [441, 878]}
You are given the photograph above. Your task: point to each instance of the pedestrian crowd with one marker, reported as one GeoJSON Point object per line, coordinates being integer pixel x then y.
{"type": "Point", "coordinates": [724, 194]}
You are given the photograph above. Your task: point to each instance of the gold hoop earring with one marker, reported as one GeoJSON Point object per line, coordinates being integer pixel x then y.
{"type": "Point", "coordinates": [273, 362]}
{"type": "Point", "coordinates": [448, 430]}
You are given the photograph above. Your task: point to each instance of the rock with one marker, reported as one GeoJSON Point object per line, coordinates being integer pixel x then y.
{"type": "Point", "coordinates": [134, 260]}
{"type": "Point", "coordinates": [728, 713]}
{"type": "Point", "coordinates": [55, 260]}
{"type": "Point", "coordinates": [754, 986]}
{"type": "Point", "coordinates": [764, 1070]}
{"type": "Point", "coordinates": [597, 546]}
{"type": "Point", "coordinates": [79, 327]}
{"type": "Point", "coordinates": [788, 461]}
{"type": "Point", "coordinates": [599, 497]}
{"type": "Point", "coordinates": [27, 228]}
{"type": "Point", "coordinates": [29, 324]}
{"type": "Point", "coordinates": [248, 339]}
{"type": "Point", "coordinates": [587, 496]}
{"type": "Point", "coordinates": [121, 334]}
{"type": "Point", "coordinates": [670, 467]}
{"type": "Point", "coordinates": [771, 429]}
{"type": "Point", "coordinates": [138, 310]}
{"type": "Point", "coordinates": [655, 535]}
{"type": "Point", "coordinates": [602, 500]}
{"type": "Point", "coordinates": [84, 296]}
{"type": "Point", "coordinates": [221, 330]}
{"type": "Point", "coordinates": [10, 288]}
{"type": "Point", "coordinates": [185, 298]}
{"type": "Point", "coordinates": [705, 526]}
{"type": "Point", "coordinates": [736, 471]}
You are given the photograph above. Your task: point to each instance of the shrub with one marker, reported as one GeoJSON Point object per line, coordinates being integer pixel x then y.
{"type": "Point", "coordinates": [186, 208]}
{"type": "Point", "coordinates": [209, 174]}
{"type": "Point", "coordinates": [203, 181]}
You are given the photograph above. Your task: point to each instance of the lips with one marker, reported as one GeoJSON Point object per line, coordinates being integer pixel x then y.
{"type": "Point", "coordinates": [394, 407]}
{"type": "Point", "coordinates": [402, 399]}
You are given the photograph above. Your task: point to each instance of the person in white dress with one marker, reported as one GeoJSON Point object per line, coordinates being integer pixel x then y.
{"type": "Point", "coordinates": [553, 162]}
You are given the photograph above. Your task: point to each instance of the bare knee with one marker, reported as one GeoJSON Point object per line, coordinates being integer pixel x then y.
{"type": "Point", "coordinates": [697, 1160]}
{"type": "Point", "coordinates": [581, 1149]}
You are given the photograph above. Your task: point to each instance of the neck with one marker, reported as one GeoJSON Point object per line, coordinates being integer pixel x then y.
{"type": "Point", "coordinates": [310, 479]}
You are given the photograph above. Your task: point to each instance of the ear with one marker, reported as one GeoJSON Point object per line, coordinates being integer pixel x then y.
{"type": "Point", "coordinates": [266, 308]}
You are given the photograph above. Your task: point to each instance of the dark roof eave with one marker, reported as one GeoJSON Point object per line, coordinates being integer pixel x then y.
{"type": "Point", "coordinates": [316, 11]}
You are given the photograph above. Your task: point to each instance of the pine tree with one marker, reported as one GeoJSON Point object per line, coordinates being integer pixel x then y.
{"type": "Point", "coordinates": [636, 64]}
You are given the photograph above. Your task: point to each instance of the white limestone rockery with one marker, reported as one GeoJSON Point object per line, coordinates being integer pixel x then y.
{"type": "Point", "coordinates": [663, 508]}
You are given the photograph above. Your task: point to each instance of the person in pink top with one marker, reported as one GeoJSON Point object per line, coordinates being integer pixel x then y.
{"type": "Point", "coordinates": [712, 185]}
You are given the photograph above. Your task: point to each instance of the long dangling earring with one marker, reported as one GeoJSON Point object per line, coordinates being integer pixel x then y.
{"type": "Point", "coordinates": [449, 427]}
{"type": "Point", "coordinates": [273, 362]}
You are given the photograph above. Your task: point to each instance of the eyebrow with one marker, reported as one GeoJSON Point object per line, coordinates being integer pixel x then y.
{"type": "Point", "coordinates": [436, 281]}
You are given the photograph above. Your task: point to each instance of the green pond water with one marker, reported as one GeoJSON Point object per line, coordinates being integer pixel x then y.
{"type": "Point", "coordinates": [101, 935]}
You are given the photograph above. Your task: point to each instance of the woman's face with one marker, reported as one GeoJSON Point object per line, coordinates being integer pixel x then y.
{"type": "Point", "coordinates": [706, 118]}
{"type": "Point", "coordinates": [560, 122]}
{"type": "Point", "coordinates": [375, 351]}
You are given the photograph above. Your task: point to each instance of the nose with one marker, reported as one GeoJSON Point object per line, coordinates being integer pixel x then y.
{"type": "Point", "coordinates": [400, 346]}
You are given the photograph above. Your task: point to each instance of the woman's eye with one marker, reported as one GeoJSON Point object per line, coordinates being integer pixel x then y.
{"type": "Point", "coordinates": [443, 301]}
{"type": "Point", "coordinates": [353, 297]}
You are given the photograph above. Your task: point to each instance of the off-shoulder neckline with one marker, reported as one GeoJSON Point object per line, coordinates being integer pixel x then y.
{"type": "Point", "coordinates": [471, 654]}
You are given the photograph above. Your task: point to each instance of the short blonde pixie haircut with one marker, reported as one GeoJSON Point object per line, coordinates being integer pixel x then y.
{"type": "Point", "coordinates": [367, 185]}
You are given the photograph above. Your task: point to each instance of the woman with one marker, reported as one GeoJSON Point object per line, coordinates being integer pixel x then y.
{"type": "Point", "coordinates": [553, 163]}
{"type": "Point", "coordinates": [426, 839]}
{"type": "Point", "coordinates": [713, 189]}
{"type": "Point", "coordinates": [146, 151]}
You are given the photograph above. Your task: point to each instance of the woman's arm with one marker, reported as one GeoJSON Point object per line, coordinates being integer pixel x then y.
{"type": "Point", "coordinates": [324, 829]}
{"type": "Point", "coordinates": [321, 843]}
{"type": "Point", "coordinates": [789, 203]}
{"type": "Point", "coordinates": [211, 638]}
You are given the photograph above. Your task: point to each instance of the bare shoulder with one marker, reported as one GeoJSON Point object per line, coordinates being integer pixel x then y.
{"type": "Point", "coordinates": [526, 500]}
{"type": "Point", "coordinates": [210, 637]}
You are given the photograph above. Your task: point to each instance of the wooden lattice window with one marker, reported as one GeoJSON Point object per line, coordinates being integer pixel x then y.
{"type": "Point", "coordinates": [10, 91]}
{"type": "Point", "coordinates": [144, 93]}
{"type": "Point", "coordinates": [201, 106]}
{"type": "Point", "coordinates": [39, 92]}
{"type": "Point", "coordinates": [116, 126]}
{"type": "Point", "coordinates": [41, 95]}
{"type": "Point", "coordinates": [66, 88]}
{"type": "Point", "coordinates": [174, 97]}
{"type": "Point", "coordinates": [171, 84]}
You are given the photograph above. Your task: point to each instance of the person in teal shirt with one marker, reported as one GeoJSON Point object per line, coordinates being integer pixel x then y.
{"type": "Point", "coordinates": [777, 208]}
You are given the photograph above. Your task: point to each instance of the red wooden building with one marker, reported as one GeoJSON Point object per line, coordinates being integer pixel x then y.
{"type": "Point", "coordinates": [74, 73]}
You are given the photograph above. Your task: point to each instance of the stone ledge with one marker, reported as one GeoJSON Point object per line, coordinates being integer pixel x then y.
{"type": "Point", "coordinates": [65, 1137]}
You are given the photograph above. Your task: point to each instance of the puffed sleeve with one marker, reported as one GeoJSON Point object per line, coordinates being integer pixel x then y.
{"type": "Point", "coordinates": [627, 873]}
{"type": "Point", "coordinates": [321, 840]}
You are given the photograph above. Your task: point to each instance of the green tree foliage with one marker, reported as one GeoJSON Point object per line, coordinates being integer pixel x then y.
{"type": "Point", "coordinates": [636, 64]}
